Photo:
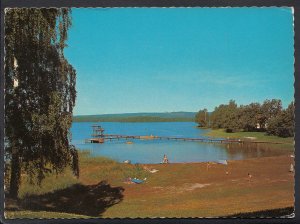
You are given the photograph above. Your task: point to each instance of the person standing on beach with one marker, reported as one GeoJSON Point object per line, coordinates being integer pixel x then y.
{"type": "Point", "coordinates": [165, 160]}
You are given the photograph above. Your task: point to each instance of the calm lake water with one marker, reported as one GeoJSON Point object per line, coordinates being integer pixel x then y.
{"type": "Point", "coordinates": [152, 151]}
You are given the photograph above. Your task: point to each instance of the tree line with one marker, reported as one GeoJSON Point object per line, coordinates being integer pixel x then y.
{"type": "Point", "coordinates": [269, 117]}
{"type": "Point", "coordinates": [92, 118]}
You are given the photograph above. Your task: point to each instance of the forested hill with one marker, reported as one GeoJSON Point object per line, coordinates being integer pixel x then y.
{"type": "Point", "coordinates": [137, 117]}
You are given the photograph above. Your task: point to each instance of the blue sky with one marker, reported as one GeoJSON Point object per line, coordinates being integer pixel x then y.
{"type": "Point", "coordinates": [179, 59]}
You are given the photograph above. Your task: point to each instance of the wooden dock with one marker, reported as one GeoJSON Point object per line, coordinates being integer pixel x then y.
{"type": "Point", "coordinates": [95, 140]}
{"type": "Point", "coordinates": [98, 136]}
{"type": "Point", "coordinates": [103, 137]}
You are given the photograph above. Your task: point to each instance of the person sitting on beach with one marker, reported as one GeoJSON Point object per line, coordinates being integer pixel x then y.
{"type": "Point", "coordinates": [165, 160]}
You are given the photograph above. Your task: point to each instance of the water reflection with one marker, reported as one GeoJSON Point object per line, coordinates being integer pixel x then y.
{"type": "Point", "coordinates": [251, 150]}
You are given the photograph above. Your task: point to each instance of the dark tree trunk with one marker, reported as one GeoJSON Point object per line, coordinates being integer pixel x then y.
{"type": "Point", "coordinates": [15, 176]}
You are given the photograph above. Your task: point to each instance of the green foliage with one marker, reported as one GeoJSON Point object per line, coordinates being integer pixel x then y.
{"type": "Point", "coordinates": [269, 109]}
{"type": "Point", "coordinates": [39, 93]}
{"type": "Point", "coordinates": [283, 123]}
{"type": "Point", "coordinates": [225, 116]}
{"type": "Point", "coordinates": [249, 116]}
{"type": "Point", "coordinates": [202, 118]}
{"type": "Point", "coordinates": [269, 117]}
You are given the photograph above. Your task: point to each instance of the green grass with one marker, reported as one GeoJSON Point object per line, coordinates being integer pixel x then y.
{"type": "Point", "coordinates": [260, 136]}
{"type": "Point", "coordinates": [287, 143]}
{"type": "Point", "coordinates": [102, 168]}
{"type": "Point", "coordinates": [42, 215]}
{"type": "Point", "coordinates": [94, 169]}
{"type": "Point", "coordinates": [61, 181]}
{"type": "Point", "coordinates": [267, 213]}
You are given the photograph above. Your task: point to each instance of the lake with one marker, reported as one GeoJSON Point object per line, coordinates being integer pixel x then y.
{"type": "Point", "coordinates": [152, 151]}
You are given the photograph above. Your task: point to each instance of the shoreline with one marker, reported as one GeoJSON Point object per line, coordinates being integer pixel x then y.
{"type": "Point", "coordinates": [246, 160]}
{"type": "Point", "coordinates": [203, 162]}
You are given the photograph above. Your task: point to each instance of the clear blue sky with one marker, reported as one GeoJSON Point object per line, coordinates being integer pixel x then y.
{"type": "Point", "coordinates": [183, 59]}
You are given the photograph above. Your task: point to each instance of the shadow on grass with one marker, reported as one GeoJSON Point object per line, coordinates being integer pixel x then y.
{"type": "Point", "coordinates": [90, 200]}
{"type": "Point", "coordinates": [272, 213]}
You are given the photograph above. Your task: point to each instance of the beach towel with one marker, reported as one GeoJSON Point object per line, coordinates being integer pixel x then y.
{"type": "Point", "coordinates": [137, 181]}
{"type": "Point", "coordinates": [224, 162]}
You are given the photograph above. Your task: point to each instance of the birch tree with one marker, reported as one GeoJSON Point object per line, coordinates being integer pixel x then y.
{"type": "Point", "coordinates": [39, 94]}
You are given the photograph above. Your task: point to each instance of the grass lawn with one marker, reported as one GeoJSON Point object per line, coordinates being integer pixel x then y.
{"type": "Point", "coordinates": [287, 143]}
{"type": "Point", "coordinates": [260, 136]}
{"type": "Point", "coordinates": [176, 190]}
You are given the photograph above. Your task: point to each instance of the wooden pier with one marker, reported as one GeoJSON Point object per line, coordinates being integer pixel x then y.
{"type": "Point", "coordinates": [103, 137]}
{"type": "Point", "coordinates": [98, 136]}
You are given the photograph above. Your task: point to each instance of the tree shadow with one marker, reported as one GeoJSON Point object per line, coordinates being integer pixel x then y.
{"type": "Point", "coordinates": [90, 200]}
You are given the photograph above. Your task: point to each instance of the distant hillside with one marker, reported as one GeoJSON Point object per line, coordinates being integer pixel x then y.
{"type": "Point", "coordinates": [137, 117]}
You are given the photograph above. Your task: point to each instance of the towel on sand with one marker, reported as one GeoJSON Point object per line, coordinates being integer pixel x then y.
{"type": "Point", "coordinates": [137, 181]}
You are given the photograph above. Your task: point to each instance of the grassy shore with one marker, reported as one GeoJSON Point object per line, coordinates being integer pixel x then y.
{"type": "Point", "coordinates": [260, 136]}
{"type": "Point", "coordinates": [287, 143]}
{"type": "Point", "coordinates": [176, 190]}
